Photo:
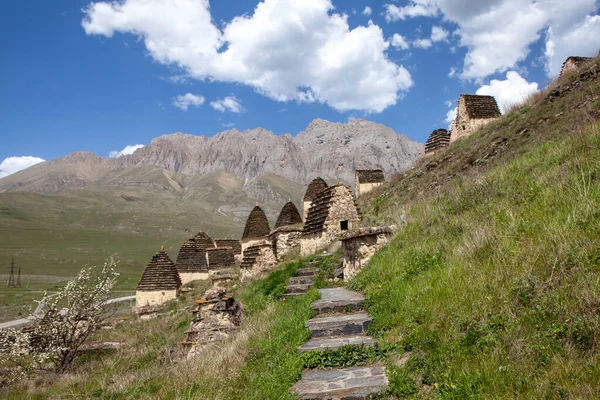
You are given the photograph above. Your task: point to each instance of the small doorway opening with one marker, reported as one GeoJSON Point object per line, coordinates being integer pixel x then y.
{"type": "Point", "coordinates": [344, 225]}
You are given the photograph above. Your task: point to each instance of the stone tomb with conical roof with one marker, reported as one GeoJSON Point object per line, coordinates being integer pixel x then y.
{"type": "Point", "coordinates": [314, 188]}
{"type": "Point", "coordinates": [367, 180]}
{"type": "Point", "coordinates": [257, 229]}
{"type": "Point", "coordinates": [159, 283]}
{"type": "Point", "coordinates": [438, 140]}
{"type": "Point", "coordinates": [332, 213]}
{"type": "Point", "coordinates": [473, 113]}
{"type": "Point", "coordinates": [192, 264]}
{"type": "Point", "coordinates": [288, 228]}
{"type": "Point", "coordinates": [258, 260]}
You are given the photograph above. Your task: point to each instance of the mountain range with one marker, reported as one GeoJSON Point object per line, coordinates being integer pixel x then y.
{"type": "Point", "coordinates": [180, 184]}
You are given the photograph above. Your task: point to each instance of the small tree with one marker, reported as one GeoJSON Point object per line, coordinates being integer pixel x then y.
{"type": "Point", "coordinates": [71, 316]}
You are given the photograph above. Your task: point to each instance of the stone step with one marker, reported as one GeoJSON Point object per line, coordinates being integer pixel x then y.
{"type": "Point", "coordinates": [308, 271]}
{"type": "Point", "coordinates": [336, 342]}
{"type": "Point", "coordinates": [339, 324]}
{"type": "Point", "coordinates": [338, 300]}
{"type": "Point", "coordinates": [301, 280]}
{"type": "Point", "coordinates": [355, 383]}
{"type": "Point", "coordinates": [297, 288]}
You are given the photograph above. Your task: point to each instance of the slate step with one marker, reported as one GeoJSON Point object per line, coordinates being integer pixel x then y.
{"type": "Point", "coordinates": [336, 342]}
{"type": "Point", "coordinates": [297, 288]}
{"type": "Point", "coordinates": [292, 294]}
{"type": "Point", "coordinates": [301, 280]}
{"type": "Point", "coordinates": [339, 324]}
{"type": "Point", "coordinates": [308, 271]}
{"type": "Point", "coordinates": [355, 383]}
{"type": "Point", "coordinates": [338, 300]}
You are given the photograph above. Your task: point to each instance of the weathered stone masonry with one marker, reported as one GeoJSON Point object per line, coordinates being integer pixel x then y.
{"type": "Point", "coordinates": [367, 180]}
{"type": "Point", "coordinates": [358, 247]}
{"type": "Point", "coordinates": [159, 283]}
{"type": "Point", "coordinates": [314, 188]}
{"type": "Point", "coordinates": [332, 212]}
{"type": "Point", "coordinates": [473, 113]}
{"type": "Point", "coordinates": [438, 140]}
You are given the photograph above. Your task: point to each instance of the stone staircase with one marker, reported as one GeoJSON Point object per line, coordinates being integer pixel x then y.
{"type": "Point", "coordinates": [341, 321]}
{"type": "Point", "coordinates": [299, 285]}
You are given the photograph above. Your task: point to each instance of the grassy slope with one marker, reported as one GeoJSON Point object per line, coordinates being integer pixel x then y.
{"type": "Point", "coordinates": [260, 362]}
{"type": "Point", "coordinates": [491, 288]}
{"type": "Point", "coordinates": [493, 285]}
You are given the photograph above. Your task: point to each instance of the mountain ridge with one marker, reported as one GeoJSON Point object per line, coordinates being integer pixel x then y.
{"type": "Point", "coordinates": [328, 149]}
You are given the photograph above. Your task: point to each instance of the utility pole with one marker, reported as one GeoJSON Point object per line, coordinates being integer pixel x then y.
{"type": "Point", "coordinates": [19, 277]}
{"type": "Point", "coordinates": [11, 278]}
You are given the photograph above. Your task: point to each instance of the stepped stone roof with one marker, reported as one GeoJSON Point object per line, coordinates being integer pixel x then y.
{"type": "Point", "coordinates": [314, 188]}
{"type": "Point", "coordinates": [439, 139]}
{"type": "Point", "coordinates": [191, 257]}
{"type": "Point", "coordinates": [319, 209]}
{"type": "Point", "coordinates": [251, 253]}
{"type": "Point", "coordinates": [220, 257]}
{"type": "Point", "coordinates": [370, 175]}
{"type": "Point", "coordinates": [160, 274]}
{"type": "Point", "coordinates": [289, 215]}
{"type": "Point", "coordinates": [204, 240]}
{"type": "Point", "coordinates": [257, 224]}
{"type": "Point", "coordinates": [481, 107]}
{"type": "Point", "coordinates": [235, 245]}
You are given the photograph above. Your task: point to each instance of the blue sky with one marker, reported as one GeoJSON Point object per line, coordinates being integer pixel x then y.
{"type": "Point", "coordinates": [100, 76]}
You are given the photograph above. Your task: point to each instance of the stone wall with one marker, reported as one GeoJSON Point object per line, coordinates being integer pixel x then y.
{"type": "Point", "coordinates": [257, 261]}
{"type": "Point", "coordinates": [285, 241]}
{"type": "Point", "coordinates": [216, 316]}
{"type": "Point", "coordinates": [364, 188]}
{"type": "Point", "coordinates": [341, 207]}
{"type": "Point", "coordinates": [153, 298]}
{"type": "Point", "coordinates": [253, 242]}
{"type": "Point", "coordinates": [573, 64]}
{"type": "Point", "coordinates": [306, 207]}
{"type": "Point", "coordinates": [359, 247]}
{"type": "Point", "coordinates": [473, 113]}
{"type": "Point", "coordinates": [187, 277]}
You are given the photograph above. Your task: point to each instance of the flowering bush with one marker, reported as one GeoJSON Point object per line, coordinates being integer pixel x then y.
{"type": "Point", "coordinates": [70, 316]}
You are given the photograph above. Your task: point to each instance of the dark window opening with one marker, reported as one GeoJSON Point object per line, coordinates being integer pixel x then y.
{"type": "Point", "coordinates": [344, 225]}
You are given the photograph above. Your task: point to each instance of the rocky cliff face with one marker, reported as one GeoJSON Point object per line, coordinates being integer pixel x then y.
{"type": "Point", "coordinates": [330, 150]}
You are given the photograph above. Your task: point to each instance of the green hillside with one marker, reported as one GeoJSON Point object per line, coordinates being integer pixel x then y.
{"type": "Point", "coordinates": [490, 291]}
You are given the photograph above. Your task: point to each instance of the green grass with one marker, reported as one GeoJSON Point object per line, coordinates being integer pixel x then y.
{"type": "Point", "coordinates": [260, 362]}
{"type": "Point", "coordinates": [493, 284]}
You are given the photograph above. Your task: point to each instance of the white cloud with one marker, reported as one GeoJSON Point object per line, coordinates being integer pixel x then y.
{"type": "Point", "coordinates": [499, 33]}
{"type": "Point", "coordinates": [509, 92]}
{"type": "Point", "coordinates": [417, 9]}
{"type": "Point", "coordinates": [399, 41]}
{"type": "Point", "coordinates": [452, 72]}
{"type": "Point", "coordinates": [130, 149]}
{"type": "Point", "coordinates": [229, 103]}
{"type": "Point", "coordinates": [422, 43]}
{"type": "Point", "coordinates": [581, 40]}
{"type": "Point", "coordinates": [10, 165]}
{"type": "Point", "coordinates": [438, 34]}
{"type": "Point", "coordinates": [448, 103]}
{"type": "Point", "coordinates": [451, 116]}
{"type": "Point", "coordinates": [286, 50]}
{"type": "Point", "coordinates": [188, 100]}
{"type": "Point", "coordinates": [367, 11]}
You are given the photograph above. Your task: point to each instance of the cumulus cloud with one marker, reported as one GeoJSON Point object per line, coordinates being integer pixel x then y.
{"type": "Point", "coordinates": [286, 50]}
{"type": "Point", "coordinates": [399, 41]}
{"type": "Point", "coordinates": [438, 34]}
{"type": "Point", "coordinates": [423, 43]}
{"type": "Point", "coordinates": [367, 11]}
{"type": "Point", "coordinates": [451, 116]}
{"type": "Point", "coordinates": [509, 92]}
{"type": "Point", "coordinates": [187, 100]}
{"type": "Point", "coordinates": [10, 165]}
{"type": "Point", "coordinates": [130, 149]}
{"type": "Point", "coordinates": [394, 13]}
{"type": "Point", "coordinates": [499, 33]}
{"type": "Point", "coordinates": [229, 103]}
